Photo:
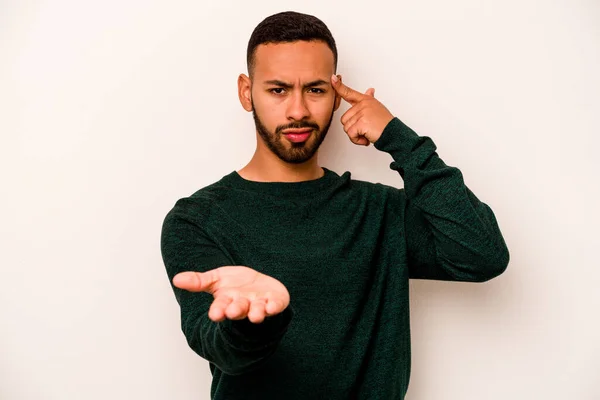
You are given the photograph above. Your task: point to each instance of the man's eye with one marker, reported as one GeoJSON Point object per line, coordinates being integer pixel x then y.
{"type": "Point", "coordinates": [316, 90]}
{"type": "Point", "coordinates": [277, 90]}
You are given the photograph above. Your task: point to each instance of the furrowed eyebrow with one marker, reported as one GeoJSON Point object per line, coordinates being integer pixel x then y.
{"type": "Point", "coordinates": [319, 82]}
{"type": "Point", "coordinates": [286, 85]}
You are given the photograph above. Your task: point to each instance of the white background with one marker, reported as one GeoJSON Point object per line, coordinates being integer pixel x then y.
{"type": "Point", "coordinates": [111, 111]}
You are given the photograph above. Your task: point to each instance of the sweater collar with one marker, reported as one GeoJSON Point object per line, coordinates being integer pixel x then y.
{"type": "Point", "coordinates": [284, 189]}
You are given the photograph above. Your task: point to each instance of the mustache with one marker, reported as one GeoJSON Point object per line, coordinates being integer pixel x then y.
{"type": "Point", "coordinates": [297, 125]}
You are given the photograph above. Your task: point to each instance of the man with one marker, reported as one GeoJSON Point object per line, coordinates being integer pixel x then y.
{"type": "Point", "coordinates": [293, 280]}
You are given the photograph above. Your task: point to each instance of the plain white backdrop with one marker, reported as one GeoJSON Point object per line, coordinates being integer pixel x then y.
{"type": "Point", "coordinates": [111, 111]}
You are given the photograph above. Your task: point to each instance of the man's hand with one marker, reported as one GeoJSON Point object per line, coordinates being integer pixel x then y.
{"type": "Point", "coordinates": [238, 292]}
{"type": "Point", "coordinates": [367, 118]}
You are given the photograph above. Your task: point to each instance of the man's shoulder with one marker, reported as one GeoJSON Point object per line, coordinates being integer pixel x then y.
{"type": "Point", "coordinates": [203, 199]}
{"type": "Point", "coordinates": [212, 192]}
{"type": "Point", "coordinates": [374, 187]}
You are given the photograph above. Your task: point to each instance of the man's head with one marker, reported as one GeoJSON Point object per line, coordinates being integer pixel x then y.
{"type": "Point", "coordinates": [290, 58]}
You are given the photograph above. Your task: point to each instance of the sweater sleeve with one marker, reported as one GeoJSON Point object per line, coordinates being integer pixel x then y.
{"type": "Point", "coordinates": [234, 347]}
{"type": "Point", "coordinates": [450, 234]}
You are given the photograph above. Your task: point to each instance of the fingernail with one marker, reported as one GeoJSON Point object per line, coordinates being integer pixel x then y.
{"type": "Point", "coordinates": [334, 78]}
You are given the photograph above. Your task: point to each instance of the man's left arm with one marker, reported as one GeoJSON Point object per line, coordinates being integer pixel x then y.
{"type": "Point", "coordinates": [450, 234]}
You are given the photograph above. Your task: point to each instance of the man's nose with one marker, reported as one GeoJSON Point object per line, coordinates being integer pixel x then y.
{"type": "Point", "coordinates": [297, 109]}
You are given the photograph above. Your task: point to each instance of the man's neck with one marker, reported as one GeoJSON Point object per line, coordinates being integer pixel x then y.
{"type": "Point", "coordinates": [267, 167]}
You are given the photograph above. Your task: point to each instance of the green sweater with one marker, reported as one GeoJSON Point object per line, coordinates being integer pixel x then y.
{"type": "Point", "coordinates": [345, 249]}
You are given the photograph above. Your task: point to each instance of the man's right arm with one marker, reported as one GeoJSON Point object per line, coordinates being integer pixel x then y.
{"type": "Point", "coordinates": [233, 346]}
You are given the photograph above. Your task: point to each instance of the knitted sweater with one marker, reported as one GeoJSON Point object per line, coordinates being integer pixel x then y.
{"type": "Point", "coordinates": [345, 249]}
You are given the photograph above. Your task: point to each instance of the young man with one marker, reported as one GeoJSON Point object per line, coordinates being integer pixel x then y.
{"type": "Point", "coordinates": [293, 280]}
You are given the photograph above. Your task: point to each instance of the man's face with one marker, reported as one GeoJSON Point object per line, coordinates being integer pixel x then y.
{"type": "Point", "coordinates": [292, 98]}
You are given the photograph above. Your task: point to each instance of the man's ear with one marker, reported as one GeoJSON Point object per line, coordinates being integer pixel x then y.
{"type": "Point", "coordinates": [338, 98]}
{"type": "Point", "coordinates": [245, 92]}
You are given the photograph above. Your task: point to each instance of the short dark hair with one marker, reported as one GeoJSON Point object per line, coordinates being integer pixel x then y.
{"type": "Point", "coordinates": [286, 27]}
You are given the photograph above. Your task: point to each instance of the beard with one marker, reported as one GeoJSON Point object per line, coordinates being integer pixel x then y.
{"type": "Point", "coordinates": [298, 152]}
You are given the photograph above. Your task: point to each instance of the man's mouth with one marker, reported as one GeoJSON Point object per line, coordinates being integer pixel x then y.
{"type": "Point", "coordinates": [297, 135]}
{"type": "Point", "coordinates": [297, 131]}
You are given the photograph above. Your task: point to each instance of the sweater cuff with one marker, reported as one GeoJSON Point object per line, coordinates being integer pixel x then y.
{"type": "Point", "coordinates": [244, 334]}
{"type": "Point", "coordinates": [398, 140]}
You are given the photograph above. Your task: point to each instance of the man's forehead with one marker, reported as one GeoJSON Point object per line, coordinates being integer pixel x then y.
{"type": "Point", "coordinates": [303, 60]}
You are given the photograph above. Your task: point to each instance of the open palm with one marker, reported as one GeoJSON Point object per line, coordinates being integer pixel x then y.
{"type": "Point", "coordinates": [238, 292]}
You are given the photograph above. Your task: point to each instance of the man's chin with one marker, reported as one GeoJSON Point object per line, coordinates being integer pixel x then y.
{"type": "Point", "coordinates": [298, 154]}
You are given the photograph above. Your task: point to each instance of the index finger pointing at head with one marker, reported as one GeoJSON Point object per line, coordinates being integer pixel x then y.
{"type": "Point", "coordinates": [348, 94]}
